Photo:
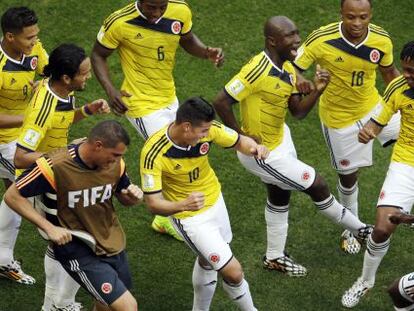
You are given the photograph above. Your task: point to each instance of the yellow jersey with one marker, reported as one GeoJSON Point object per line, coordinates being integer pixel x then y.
{"type": "Point", "coordinates": [263, 91]}
{"type": "Point", "coordinates": [399, 96]}
{"type": "Point", "coordinates": [15, 88]}
{"type": "Point", "coordinates": [147, 53]}
{"type": "Point", "coordinates": [177, 171]}
{"type": "Point", "coordinates": [351, 93]}
{"type": "Point", "coordinates": [47, 121]}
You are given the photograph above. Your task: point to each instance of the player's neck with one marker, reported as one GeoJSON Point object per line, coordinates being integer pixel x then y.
{"type": "Point", "coordinates": [175, 135]}
{"type": "Point", "coordinates": [274, 57]}
{"type": "Point", "coordinates": [59, 89]}
{"type": "Point", "coordinates": [354, 40]}
{"type": "Point", "coordinates": [84, 155]}
{"type": "Point", "coordinates": [16, 55]}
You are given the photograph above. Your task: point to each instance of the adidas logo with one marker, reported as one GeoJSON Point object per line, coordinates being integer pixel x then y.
{"type": "Point", "coordinates": [13, 81]}
{"type": "Point", "coordinates": [339, 60]}
{"type": "Point", "coordinates": [277, 86]}
{"type": "Point", "coordinates": [139, 36]}
{"type": "Point", "coordinates": [177, 167]}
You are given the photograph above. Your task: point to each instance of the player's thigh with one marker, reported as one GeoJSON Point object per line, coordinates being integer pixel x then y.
{"type": "Point", "coordinates": [126, 302]}
{"type": "Point", "coordinates": [391, 131]}
{"type": "Point", "coordinates": [346, 152]}
{"type": "Point", "coordinates": [203, 234]}
{"type": "Point", "coordinates": [280, 169]}
{"type": "Point", "coordinates": [152, 123]}
{"type": "Point", "coordinates": [7, 169]}
{"type": "Point", "coordinates": [96, 274]}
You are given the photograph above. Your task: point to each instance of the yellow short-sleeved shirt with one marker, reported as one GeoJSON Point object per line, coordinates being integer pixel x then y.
{"type": "Point", "coordinates": [177, 172]}
{"type": "Point", "coordinates": [15, 87]}
{"type": "Point", "coordinates": [147, 53]}
{"type": "Point", "coordinates": [351, 93]}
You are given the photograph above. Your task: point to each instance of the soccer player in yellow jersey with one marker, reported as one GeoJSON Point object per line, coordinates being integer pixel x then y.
{"type": "Point", "coordinates": [21, 58]}
{"type": "Point", "coordinates": [396, 195]}
{"type": "Point", "coordinates": [178, 181]}
{"type": "Point", "coordinates": [46, 126]}
{"type": "Point", "coordinates": [351, 50]}
{"type": "Point", "coordinates": [265, 88]}
{"type": "Point", "coordinates": [146, 34]}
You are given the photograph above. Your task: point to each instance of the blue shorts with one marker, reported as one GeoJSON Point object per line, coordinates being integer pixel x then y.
{"type": "Point", "coordinates": [106, 278]}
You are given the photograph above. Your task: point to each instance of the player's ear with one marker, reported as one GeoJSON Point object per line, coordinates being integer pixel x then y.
{"type": "Point", "coordinates": [66, 79]}
{"type": "Point", "coordinates": [9, 36]}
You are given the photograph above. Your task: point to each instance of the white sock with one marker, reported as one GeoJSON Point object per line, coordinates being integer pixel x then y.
{"type": "Point", "coordinates": [339, 214]}
{"type": "Point", "coordinates": [240, 294]}
{"type": "Point", "coordinates": [373, 257]}
{"type": "Point", "coordinates": [348, 197]}
{"type": "Point", "coordinates": [52, 272]}
{"type": "Point", "coordinates": [277, 229]}
{"type": "Point", "coordinates": [204, 284]}
{"type": "Point", "coordinates": [9, 229]}
{"type": "Point", "coordinates": [67, 289]}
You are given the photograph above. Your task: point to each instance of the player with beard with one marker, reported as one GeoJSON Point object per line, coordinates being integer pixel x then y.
{"type": "Point", "coordinates": [265, 88]}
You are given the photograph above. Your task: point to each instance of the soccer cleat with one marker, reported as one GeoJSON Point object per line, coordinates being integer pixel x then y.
{"type": "Point", "coordinates": [349, 244]}
{"type": "Point", "coordinates": [285, 264]}
{"type": "Point", "coordinates": [163, 225]}
{"type": "Point", "coordinates": [74, 306]}
{"type": "Point", "coordinates": [363, 234]}
{"type": "Point", "coordinates": [352, 296]}
{"type": "Point", "coordinates": [14, 272]}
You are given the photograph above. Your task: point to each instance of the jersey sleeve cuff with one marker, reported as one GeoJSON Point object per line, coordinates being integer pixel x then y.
{"type": "Point", "coordinates": [377, 123]}
{"type": "Point", "coordinates": [232, 146]}
{"type": "Point", "coordinates": [152, 192]}
{"type": "Point", "coordinates": [298, 67]}
{"type": "Point", "coordinates": [25, 148]}
{"type": "Point", "coordinates": [104, 46]}
{"type": "Point", "coordinates": [228, 94]}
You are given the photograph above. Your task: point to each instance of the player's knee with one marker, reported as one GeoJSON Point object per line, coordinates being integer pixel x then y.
{"type": "Point", "coordinates": [380, 234]}
{"type": "Point", "coordinates": [319, 190]}
{"type": "Point", "coordinates": [126, 302]}
{"type": "Point", "coordinates": [233, 272]}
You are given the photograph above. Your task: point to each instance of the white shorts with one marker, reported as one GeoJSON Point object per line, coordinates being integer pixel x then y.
{"type": "Point", "coordinates": [149, 124]}
{"type": "Point", "coordinates": [406, 286]}
{"type": "Point", "coordinates": [347, 154]}
{"type": "Point", "coordinates": [7, 168]}
{"type": "Point", "coordinates": [282, 167]}
{"type": "Point", "coordinates": [208, 234]}
{"type": "Point", "coordinates": [398, 187]}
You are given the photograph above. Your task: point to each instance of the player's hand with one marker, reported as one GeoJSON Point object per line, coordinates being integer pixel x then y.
{"type": "Point", "coordinates": [134, 192]}
{"type": "Point", "coordinates": [321, 79]}
{"type": "Point", "coordinates": [367, 133]}
{"type": "Point", "coordinates": [215, 55]}
{"type": "Point", "coordinates": [260, 152]}
{"type": "Point", "coordinates": [194, 201]}
{"type": "Point", "coordinates": [99, 106]}
{"type": "Point", "coordinates": [303, 85]}
{"type": "Point", "coordinates": [116, 103]}
{"type": "Point", "coordinates": [59, 235]}
{"type": "Point", "coordinates": [401, 218]}
{"type": "Point", "coordinates": [34, 85]}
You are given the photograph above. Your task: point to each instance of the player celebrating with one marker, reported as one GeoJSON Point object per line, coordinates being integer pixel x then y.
{"type": "Point", "coordinates": [177, 180]}
{"type": "Point", "coordinates": [46, 127]}
{"type": "Point", "coordinates": [84, 178]}
{"type": "Point", "coordinates": [397, 191]}
{"type": "Point", "coordinates": [351, 50]}
{"type": "Point", "coordinates": [265, 87]}
{"type": "Point", "coordinates": [21, 57]}
{"type": "Point", "coordinates": [146, 34]}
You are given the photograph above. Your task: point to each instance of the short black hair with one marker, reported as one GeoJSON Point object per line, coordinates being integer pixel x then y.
{"type": "Point", "coordinates": [407, 52]}
{"type": "Point", "coordinates": [64, 60]}
{"type": "Point", "coordinates": [195, 110]}
{"type": "Point", "coordinates": [17, 18]}
{"type": "Point", "coordinates": [343, 1]}
{"type": "Point", "coordinates": [110, 133]}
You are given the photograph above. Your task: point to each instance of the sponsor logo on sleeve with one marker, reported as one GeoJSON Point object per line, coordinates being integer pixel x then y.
{"type": "Point", "coordinates": [236, 87]}
{"type": "Point", "coordinates": [31, 137]}
{"type": "Point", "coordinates": [149, 182]}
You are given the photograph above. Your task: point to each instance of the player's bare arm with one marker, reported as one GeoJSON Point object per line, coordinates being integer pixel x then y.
{"type": "Point", "coordinates": [24, 208]}
{"type": "Point", "coordinates": [389, 73]}
{"type": "Point", "coordinates": [300, 106]}
{"type": "Point", "coordinates": [223, 104]}
{"type": "Point", "coordinates": [130, 196]}
{"type": "Point", "coordinates": [99, 106]}
{"type": "Point", "coordinates": [160, 206]}
{"type": "Point", "coordinates": [10, 121]}
{"type": "Point", "coordinates": [369, 131]}
{"type": "Point", "coordinates": [193, 45]}
{"type": "Point", "coordinates": [24, 158]}
{"type": "Point", "coordinates": [100, 67]}
{"type": "Point", "coordinates": [401, 218]}
{"type": "Point", "coordinates": [248, 146]}
{"type": "Point", "coordinates": [303, 85]}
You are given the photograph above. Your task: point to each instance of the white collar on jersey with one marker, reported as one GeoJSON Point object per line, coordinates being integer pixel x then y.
{"type": "Point", "coordinates": [9, 57]}
{"type": "Point", "coordinates": [176, 146]}
{"type": "Point", "coordinates": [65, 100]}
{"type": "Point", "coordinates": [355, 46]}
{"type": "Point", "coordinates": [274, 65]}
{"type": "Point", "coordinates": [143, 16]}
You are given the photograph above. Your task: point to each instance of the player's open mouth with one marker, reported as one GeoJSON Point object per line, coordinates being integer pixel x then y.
{"type": "Point", "coordinates": [294, 52]}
